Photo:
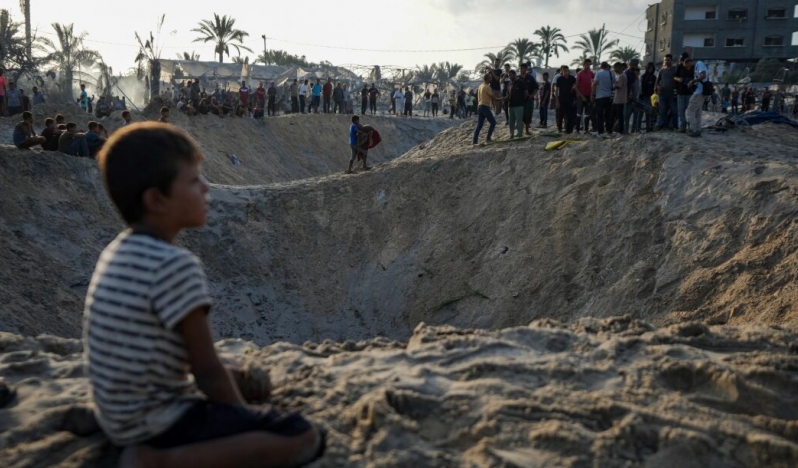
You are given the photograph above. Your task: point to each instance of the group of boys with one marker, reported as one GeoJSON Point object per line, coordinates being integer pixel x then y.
{"type": "Point", "coordinates": [59, 135]}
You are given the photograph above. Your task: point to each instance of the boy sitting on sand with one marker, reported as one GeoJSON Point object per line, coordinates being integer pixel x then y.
{"type": "Point", "coordinates": [24, 137]}
{"type": "Point", "coordinates": [146, 329]}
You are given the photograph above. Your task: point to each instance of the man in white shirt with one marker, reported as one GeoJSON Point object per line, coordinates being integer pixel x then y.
{"type": "Point", "coordinates": [696, 106]}
{"type": "Point", "coordinates": [399, 95]}
{"type": "Point", "coordinates": [303, 94]}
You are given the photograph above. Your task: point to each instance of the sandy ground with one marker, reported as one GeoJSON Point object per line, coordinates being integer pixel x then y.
{"type": "Point", "coordinates": [609, 393]}
{"type": "Point", "coordinates": [446, 255]}
{"type": "Point", "coordinates": [658, 226]}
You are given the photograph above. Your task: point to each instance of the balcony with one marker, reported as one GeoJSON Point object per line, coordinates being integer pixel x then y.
{"type": "Point", "coordinates": [701, 13]}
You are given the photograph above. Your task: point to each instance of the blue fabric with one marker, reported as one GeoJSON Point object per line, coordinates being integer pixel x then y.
{"type": "Point", "coordinates": [484, 113]}
{"type": "Point", "coordinates": [19, 137]}
{"type": "Point", "coordinates": [682, 102]}
{"type": "Point", "coordinates": [353, 134]}
{"type": "Point", "coordinates": [317, 89]}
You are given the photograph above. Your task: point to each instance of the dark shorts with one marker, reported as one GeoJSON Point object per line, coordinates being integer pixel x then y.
{"type": "Point", "coordinates": [528, 108]}
{"type": "Point", "coordinates": [209, 421]}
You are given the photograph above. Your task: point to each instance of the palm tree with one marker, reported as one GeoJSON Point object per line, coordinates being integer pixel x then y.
{"type": "Point", "coordinates": [192, 57]}
{"type": "Point", "coordinates": [579, 61]}
{"type": "Point", "coordinates": [426, 73]}
{"type": "Point", "coordinates": [552, 42]}
{"type": "Point", "coordinates": [150, 52]}
{"type": "Point", "coordinates": [595, 44]}
{"type": "Point", "coordinates": [241, 60]}
{"type": "Point", "coordinates": [105, 79]}
{"type": "Point", "coordinates": [445, 71]}
{"type": "Point", "coordinates": [503, 56]}
{"type": "Point", "coordinates": [11, 44]}
{"type": "Point", "coordinates": [522, 50]}
{"type": "Point", "coordinates": [223, 33]}
{"type": "Point", "coordinates": [68, 54]}
{"type": "Point", "coordinates": [624, 54]}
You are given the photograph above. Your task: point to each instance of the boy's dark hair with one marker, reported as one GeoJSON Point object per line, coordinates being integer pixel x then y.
{"type": "Point", "coordinates": [670, 56]}
{"type": "Point", "coordinates": [487, 78]}
{"type": "Point", "coordinates": [143, 156]}
{"type": "Point", "coordinates": [166, 109]}
{"type": "Point", "coordinates": [125, 113]}
{"type": "Point", "coordinates": [62, 127]}
{"type": "Point", "coordinates": [59, 118]}
{"type": "Point", "coordinates": [93, 125]}
{"type": "Point", "coordinates": [27, 115]}
{"type": "Point", "coordinates": [48, 121]}
{"type": "Point", "coordinates": [71, 125]}
{"type": "Point", "coordinates": [355, 119]}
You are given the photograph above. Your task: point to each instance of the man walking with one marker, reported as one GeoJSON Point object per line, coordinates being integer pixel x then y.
{"type": "Point", "coordinates": [485, 99]}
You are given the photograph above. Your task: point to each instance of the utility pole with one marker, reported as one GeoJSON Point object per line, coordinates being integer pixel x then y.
{"type": "Point", "coordinates": [265, 57]}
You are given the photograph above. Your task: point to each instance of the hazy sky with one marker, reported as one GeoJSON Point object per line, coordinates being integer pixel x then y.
{"type": "Point", "coordinates": [324, 30]}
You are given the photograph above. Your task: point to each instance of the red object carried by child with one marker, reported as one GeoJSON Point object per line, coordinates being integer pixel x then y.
{"type": "Point", "coordinates": [375, 139]}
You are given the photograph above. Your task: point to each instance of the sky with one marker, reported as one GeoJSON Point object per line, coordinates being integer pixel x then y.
{"type": "Point", "coordinates": [390, 33]}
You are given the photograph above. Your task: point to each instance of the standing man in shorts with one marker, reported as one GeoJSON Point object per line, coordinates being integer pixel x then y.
{"type": "Point", "coordinates": [532, 86]}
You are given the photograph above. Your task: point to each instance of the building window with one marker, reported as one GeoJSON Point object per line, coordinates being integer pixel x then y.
{"type": "Point", "coordinates": [662, 45]}
{"type": "Point", "coordinates": [710, 15]}
{"type": "Point", "coordinates": [738, 14]}
{"type": "Point", "coordinates": [650, 24]}
{"type": "Point", "coordinates": [648, 48]}
{"type": "Point", "coordinates": [776, 13]}
{"type": "Point", "coordinates": [735, 42]}
{"type": "Point", "coordinates": [709, 42]}
{"type": "Point", "coordinates": [774, 41]}
{"type": "Point", "coordinates": [664, 19]}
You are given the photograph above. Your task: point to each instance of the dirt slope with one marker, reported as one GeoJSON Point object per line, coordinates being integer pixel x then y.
{"type": "Point", "coordinates": [658, 227]}
{"type": "Point", "coordinates": [280, 149]}
{"type": "Point", "coordinates": [609, 393]}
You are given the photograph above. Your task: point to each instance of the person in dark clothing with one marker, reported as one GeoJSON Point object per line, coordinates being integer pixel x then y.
{"type": "Point", "coordinates": [50, 134]}
{"type": "Point", "coordinates": [374, 93]}
{"type": "Point", "coordinates": [735, 101]}
{"type": "Point", "coordinates": [684, 75]}
{"type": "Point", "coordinates": [408, 102]}
{"type": "Point", "coordinates": [648, 84]}
{"type": "Point", "coordinates": [766, 97]}
{"type": "Point", "coordinates": [364, 99]}
{"type": "Point", "coordinates": [326, 93]}
{"type": "Point", "coordinates": [545, 101]}
{"type": "Point", "coordinates": [272, 95]}
{"type": "Point", "coordinates": [565, 92]}
{"type": "Point", "coordinates": [517, 96]}
{"type": "Point", "coordinates": [532, 86]}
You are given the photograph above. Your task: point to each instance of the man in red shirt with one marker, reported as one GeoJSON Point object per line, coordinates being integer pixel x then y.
{"type": "Point", "coordinates": [584, 91]}
{"type": "Point", "coordinates": [326, 93]}
{"type": "Point", "coordinates": [260, 95]}
{"type": "Point", "coordinates": [243, 95]}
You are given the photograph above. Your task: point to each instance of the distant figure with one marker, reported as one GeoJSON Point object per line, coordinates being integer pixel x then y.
{"type": "Point", "coordinates": [96, 138]}
{"type": "Point", "coordinates": [72, 142]}
{"type": "Point", "coordinates": [84, 98]}
{"type": "Point", "coordinates": [13, 100]}
{"type": "Point", "coordinates": [316, 101]}
{"type": "Point", "coordinates": [102, 109]}
{"type": "Point", "coordinates": [164, 115]}
{"type": "Point", "coordinates": [303, 96]}
{"type": "Point", "coordinates": [374, 93]}
{"type": "Point", "coordinates": [294, 89]}
{"type": "Point", "coordinates": [127, 119]}
{"type": "Point", "coordinates": [24, 137]}
{"type": "Point", "coordinates": [399, 102]}
{"type": "Point", "coordinates": [3, 88]}
{"type": "Point", "coordinates": [364, 99]}
{"type": "Point", "coordinates": [338, 99]}
{"type": "Point", "coordinates": [51, 133]}
{"type": "Point", "coordinates": [435, 101]}
{"type": "Point", "coordinates": [272, 93]}
{"type": "Point", "coordinates": [38, 96]}
{"type": "Point", "coordinates": [243, 95]}
{"type": "Point", "coordinates": [327, 92]}
{"type": "Point", "coordinates": [408, 102]}
{"type": "Point", "coordinates": [766, 97]}
{"type": "Point", "coordinates": [427, 102]}
{"type": "Point", "coordinates": [159, 388]}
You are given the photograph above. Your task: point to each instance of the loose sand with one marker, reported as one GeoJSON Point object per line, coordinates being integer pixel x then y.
{"type": "Point", "coordinates": [693, 241]}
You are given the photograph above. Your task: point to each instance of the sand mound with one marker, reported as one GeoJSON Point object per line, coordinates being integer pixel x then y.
{"type": "Point", "coordinates": [613, 392]}
{"type": "Point", "coordinates": [655, 226]}
{"type": "Point", "coordinates": [281, 149]}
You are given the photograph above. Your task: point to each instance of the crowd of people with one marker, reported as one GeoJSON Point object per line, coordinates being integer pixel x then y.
{"type": "Point", "coordinates": [63, 136]}
{"type": "Point", "coordinates": [616, 99]}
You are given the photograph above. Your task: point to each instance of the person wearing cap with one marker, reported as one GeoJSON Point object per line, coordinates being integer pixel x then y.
{"type": "Point", "coordinates": [697, 99]}
{"type": "Point", "coordinates": [602, 99]}
{"type": "Point", "coordinates": [666, 90]}
{"type": "Point", "coordinates": [682, 77]}
{"type": "Point", "coordinates": [531, 85]}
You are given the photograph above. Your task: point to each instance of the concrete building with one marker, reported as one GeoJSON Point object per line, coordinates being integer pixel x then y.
{"type": "Point", "coordinates": [724, 30]}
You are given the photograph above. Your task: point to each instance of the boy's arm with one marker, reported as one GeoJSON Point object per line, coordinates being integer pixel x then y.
{"type": "Point", "coordinates": [210, 374]}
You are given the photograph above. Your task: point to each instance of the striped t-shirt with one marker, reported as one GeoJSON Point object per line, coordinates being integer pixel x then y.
{"type": "Point", "coordinates": [138, 366]}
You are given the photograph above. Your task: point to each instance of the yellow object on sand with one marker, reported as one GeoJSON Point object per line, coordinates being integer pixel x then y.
{"type": "Point", "coordinates": [555, 145]}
